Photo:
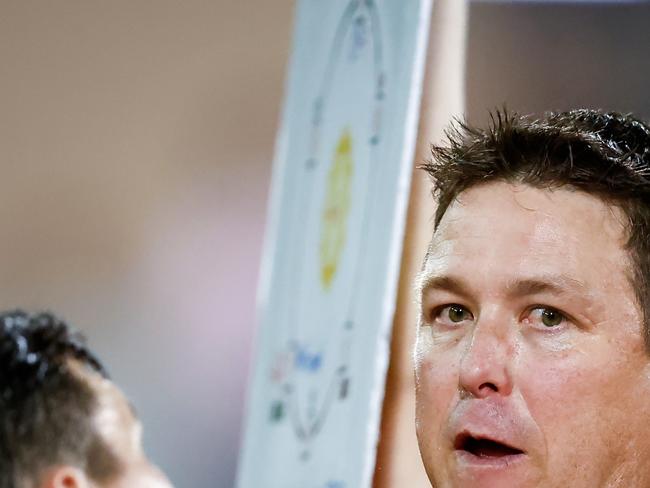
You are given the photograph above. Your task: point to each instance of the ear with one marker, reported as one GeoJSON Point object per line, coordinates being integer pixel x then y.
{"type": "Point", "coordinates": [65, 477]}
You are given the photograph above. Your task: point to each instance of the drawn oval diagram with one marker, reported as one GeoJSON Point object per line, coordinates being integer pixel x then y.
{"type": "Point", "coordinates": [336, 209]}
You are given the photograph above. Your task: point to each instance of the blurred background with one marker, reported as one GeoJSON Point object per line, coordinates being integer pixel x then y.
{"type": "Point", "coordinates": [544, 55]}
{"type": "Point", "coordinates": [136, 142]}
{"type": "Point", "coordinates": [136, 146]}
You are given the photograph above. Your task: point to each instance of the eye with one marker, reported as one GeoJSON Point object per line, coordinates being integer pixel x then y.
{"type": "Point", "coordinates": [452, 314]}
{"type": "Point", "coordinates": [548, 317]}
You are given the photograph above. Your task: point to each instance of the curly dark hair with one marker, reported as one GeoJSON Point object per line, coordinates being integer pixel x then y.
{"type": "Point", "coordinates": [605, 154]}
{"type": "Point", "coordinates": [46, 408]}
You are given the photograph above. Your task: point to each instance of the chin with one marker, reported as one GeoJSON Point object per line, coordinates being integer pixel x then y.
{"type": "Point", "coordinates": [489, 478]}
{"type": "Point", "coordinates": [468, 471]}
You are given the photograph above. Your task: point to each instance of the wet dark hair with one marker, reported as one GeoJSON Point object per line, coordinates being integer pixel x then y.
{"type": "Point", "coordinates": [47, 408]}
{"type": "Point", "coordinates": [605, 154]}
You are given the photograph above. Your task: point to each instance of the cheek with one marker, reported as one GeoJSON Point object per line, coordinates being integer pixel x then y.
{"type": "Point", "coordinates": [563, 384]}
{"type": "Point", "coordinates": [554, 394]}
{"type": "Point", "coordinates": [436, 387]}
{"type": "Point", "coordinates": [581, 402]}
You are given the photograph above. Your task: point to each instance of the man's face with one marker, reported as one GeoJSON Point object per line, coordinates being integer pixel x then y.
{"type": "Point", "coordinates": [122, 432]}
{"type": "Point", "coordinates": [531, 369]}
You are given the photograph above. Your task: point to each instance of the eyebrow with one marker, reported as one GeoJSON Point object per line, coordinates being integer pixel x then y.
{"type": "Point", "coordinates": [556, 284]}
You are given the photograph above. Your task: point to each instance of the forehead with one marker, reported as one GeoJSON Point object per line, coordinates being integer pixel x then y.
{"type": "Point", "coordinates": [508, 230]}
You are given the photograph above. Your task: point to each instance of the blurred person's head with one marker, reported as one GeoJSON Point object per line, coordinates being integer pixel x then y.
{"type": "Point", "coordinates": [532, 362]}
{"type": "Point", "coordinates": [63, 423]}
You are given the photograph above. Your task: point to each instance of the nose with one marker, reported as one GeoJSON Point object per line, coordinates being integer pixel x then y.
{"type": "Point", "coordinates": [485, 367]}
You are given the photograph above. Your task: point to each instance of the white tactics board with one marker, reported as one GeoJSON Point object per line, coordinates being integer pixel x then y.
{"type": "Point", "coordinates": [340, 188]}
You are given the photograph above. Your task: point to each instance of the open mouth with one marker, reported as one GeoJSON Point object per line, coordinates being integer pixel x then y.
{"type": "Point", "coordinates": [484, 448]}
